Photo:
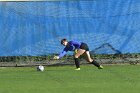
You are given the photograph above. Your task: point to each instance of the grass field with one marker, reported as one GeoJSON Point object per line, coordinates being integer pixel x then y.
{"type": "Point", "coordinates": [63, 79]}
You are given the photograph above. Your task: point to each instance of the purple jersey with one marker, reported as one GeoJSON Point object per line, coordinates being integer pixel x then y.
{"type": "Point", "coordinates": [72, 45]}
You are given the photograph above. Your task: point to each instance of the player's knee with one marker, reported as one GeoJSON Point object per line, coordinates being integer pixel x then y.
{"type": "Point", "coordinates": [75, 56]}
{"type": "Point", "coordinates": [90, 60]}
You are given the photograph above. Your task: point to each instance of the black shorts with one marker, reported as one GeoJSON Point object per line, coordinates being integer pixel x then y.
{"type": "Point", "coordinates": [84, 46]}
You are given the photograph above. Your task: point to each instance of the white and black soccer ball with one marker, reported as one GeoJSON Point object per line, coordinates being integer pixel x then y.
{"type": "Point", "coordinates": [40, 68]}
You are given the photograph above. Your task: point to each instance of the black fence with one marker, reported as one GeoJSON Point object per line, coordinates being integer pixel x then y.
{"type": "Point", "coordinates": [47, 60]}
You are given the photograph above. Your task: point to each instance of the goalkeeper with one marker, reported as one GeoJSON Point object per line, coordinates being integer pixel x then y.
{"type": "Point", "coordinates": [80, 48]}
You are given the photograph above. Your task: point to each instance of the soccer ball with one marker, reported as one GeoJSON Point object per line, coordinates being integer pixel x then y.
{"type": "Point", "coordinates": [40, 68]}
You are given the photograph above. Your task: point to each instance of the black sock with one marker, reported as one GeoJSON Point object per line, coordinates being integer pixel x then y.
{"type": "Point", "coordinates": [77, 63]}
{"type": "Point", "coordinates": [95, 63]}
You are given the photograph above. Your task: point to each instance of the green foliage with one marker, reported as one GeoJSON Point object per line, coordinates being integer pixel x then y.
{"type": "Point", "coordinates": [69, 57]}
{"type": "Point", "coordinates": [24, 58]}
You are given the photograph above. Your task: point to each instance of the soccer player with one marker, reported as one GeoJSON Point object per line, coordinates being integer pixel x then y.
{"type": "Point", "coordinates": [79, 48]}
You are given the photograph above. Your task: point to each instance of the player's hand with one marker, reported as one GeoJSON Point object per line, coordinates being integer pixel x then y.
{"type": "Point", "coordinates": [56, 57]}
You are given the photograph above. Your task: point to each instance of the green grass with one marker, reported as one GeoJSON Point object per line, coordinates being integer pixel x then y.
{"type": "Point", "coordinates": [112, 79]}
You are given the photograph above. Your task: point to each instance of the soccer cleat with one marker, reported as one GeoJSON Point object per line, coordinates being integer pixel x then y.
{"type": "Point", "coordinates": [101, 67]}
{"type": "Point", "coordinates": [77, 69]}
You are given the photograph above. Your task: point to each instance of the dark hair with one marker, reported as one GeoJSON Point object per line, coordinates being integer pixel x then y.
{"type": "Point", "coordinates": [64, 39]}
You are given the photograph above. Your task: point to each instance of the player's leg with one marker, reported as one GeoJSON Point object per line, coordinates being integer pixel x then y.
{"type": "Point", "coordinates": [87, 56]}
{"type": "Point", "coordinates": [89, 59]}
{"type": "Point", "coordinates": [79, 53]}
{"type": "Point", "coordinates": [76, 56]}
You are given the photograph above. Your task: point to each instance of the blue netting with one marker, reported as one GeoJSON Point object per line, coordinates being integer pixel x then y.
{"type": "Point", "coordinates": [35, 28]}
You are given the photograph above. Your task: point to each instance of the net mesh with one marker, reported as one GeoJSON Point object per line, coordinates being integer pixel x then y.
{"type": "Point", "coordinates": [31, 31]}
